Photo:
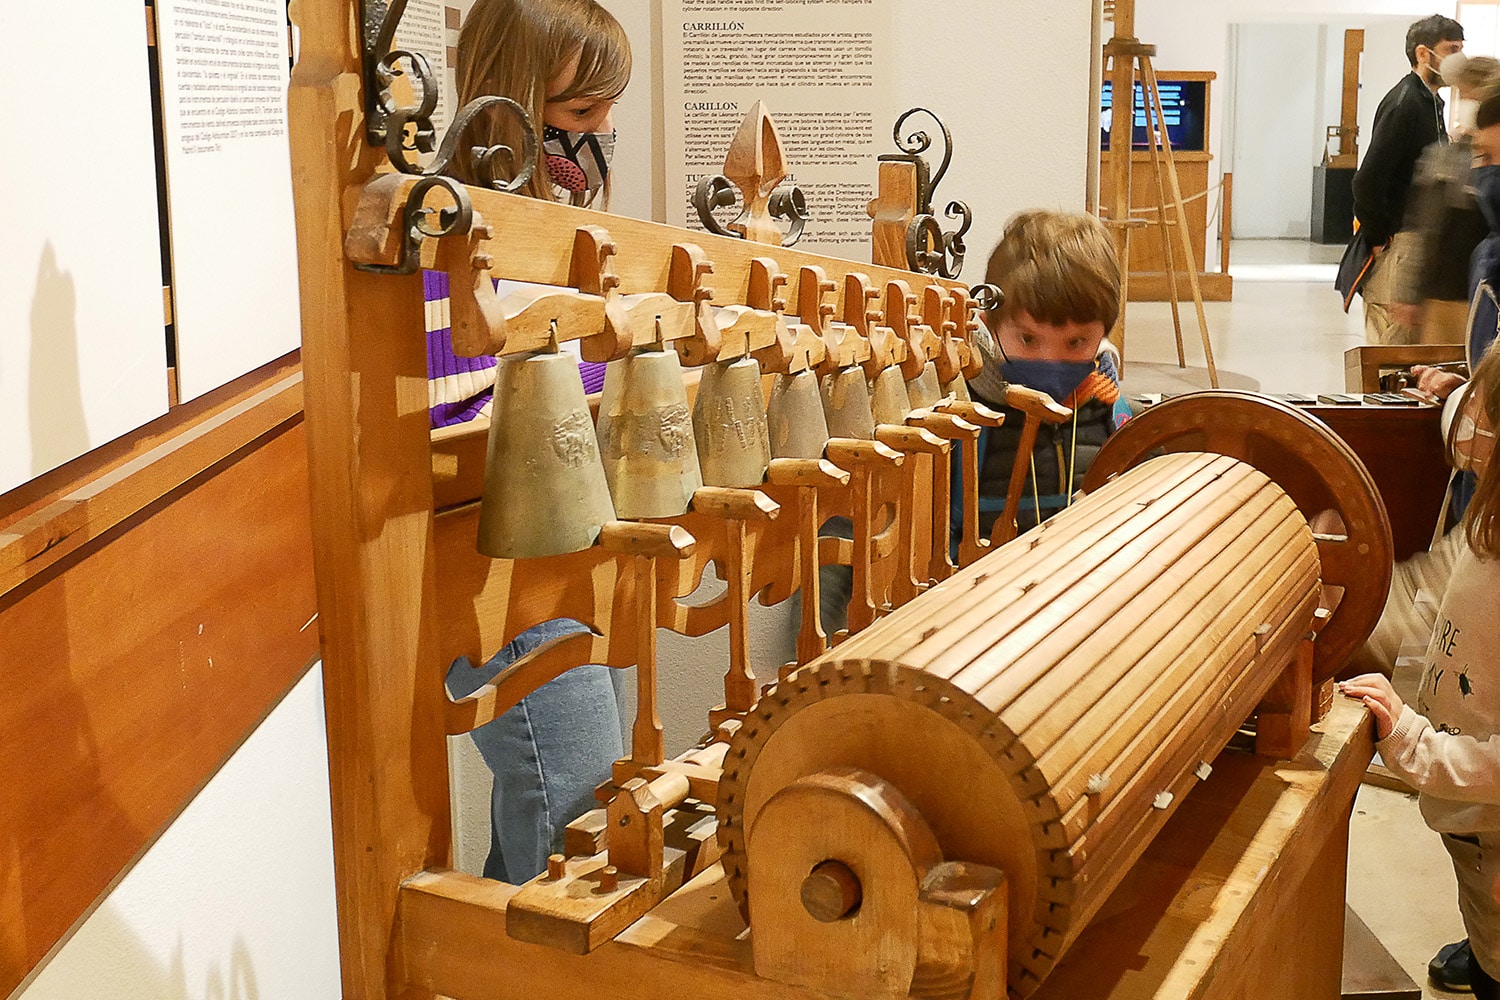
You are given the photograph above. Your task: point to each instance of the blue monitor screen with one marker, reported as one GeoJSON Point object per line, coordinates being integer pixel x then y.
{"type": "Point", "coordinates": [1183, 110]}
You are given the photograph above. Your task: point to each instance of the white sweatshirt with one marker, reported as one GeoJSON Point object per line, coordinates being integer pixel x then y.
{"type": "Point", "coordinates": [1448, 746]}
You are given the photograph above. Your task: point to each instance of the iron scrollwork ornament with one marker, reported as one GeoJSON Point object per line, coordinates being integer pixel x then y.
{"type": "Point", "coordinates": [786, 204]}
{"type": "Point", "coordinates": [417, 220]}
{"type": "Point", "coordinates": [407, 132]}
{"type": "Point", "coordinates": [988, 297]}
{"type": "Point", "coordinates": [929, 250]}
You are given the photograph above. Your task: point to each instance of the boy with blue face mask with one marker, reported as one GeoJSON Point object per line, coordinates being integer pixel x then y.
{"type": "Point", "coordinates": [1062, 294]}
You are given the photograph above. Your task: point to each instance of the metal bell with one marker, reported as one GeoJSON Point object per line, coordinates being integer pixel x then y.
{"type": "Point", "coordinates": [888, 400]}
{"type": "Point", "coordinates": [795, 418]}
{"type": "Point", "coordinates": [544, 487]}
{"type": "Point", "coordinates": [729, 420]}
{"type": "Point", "coordinates": [846, 405]}
{"type": "Point", "coordinates": [924, 390]}
{"type": "Point", "coordinates": [646, 435]}
{"type": "Point", "coordinates": [958, 389]}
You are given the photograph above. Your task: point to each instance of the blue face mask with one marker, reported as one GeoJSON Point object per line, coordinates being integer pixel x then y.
{"type": "Point", "coordinates": [1487, 193]}
{"type": "Point", "coordinates": [1056, 378]}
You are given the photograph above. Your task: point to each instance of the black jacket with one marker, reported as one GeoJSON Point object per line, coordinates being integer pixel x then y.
{"type": "Point", "coordinates": [1408, 120]}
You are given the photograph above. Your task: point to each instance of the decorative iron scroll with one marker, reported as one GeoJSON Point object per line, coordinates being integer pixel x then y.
{"type": "Point", "coordinates": [755, 166]}
{"type": "Point", "coordinates": [787, 204]}
{"type": "Point", "coordinates": [407, 132]}
{"type": "Point", "coordinates": [416, 217]}
{"type": "Point", "coordinates": [987, 297]}
{"type": "Point", "coordinates": [929, 250]}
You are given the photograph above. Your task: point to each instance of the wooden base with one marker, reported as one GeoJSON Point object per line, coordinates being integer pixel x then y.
{"type": "Point", "coordinates": [1151, 286]}
{"type": "Point", "coordinates": [1241, 895]}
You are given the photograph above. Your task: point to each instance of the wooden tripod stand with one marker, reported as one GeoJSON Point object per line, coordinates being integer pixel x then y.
{"type": "Point", "coordinates": [1128, 55]}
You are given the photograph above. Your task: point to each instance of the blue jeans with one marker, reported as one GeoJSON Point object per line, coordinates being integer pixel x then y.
{"type": "Point", "coordinates": [547, 754]}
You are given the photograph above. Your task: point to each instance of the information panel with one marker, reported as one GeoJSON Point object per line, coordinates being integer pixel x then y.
{"type": "Point", "coordinates": [229, 187]}
{"type": "Point", "coordinates": [821, 66]}
{"type": "Point", "coordinates": [82, 334]}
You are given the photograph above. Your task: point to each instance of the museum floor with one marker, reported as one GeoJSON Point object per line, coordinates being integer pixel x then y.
{"type": "Point", "coordinates": [1285, 331]}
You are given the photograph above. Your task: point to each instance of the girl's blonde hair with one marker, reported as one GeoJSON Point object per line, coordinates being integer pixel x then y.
{"type": "Point", "coordinates": [1482, 519]}
{"type": "Point", "coordinates": [513, 48]}
{"type": "Point", "coordinates": [1059, 267]}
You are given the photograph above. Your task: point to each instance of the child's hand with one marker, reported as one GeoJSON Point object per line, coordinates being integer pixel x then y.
{"type": "Point", "coordinates": [1381, 699]}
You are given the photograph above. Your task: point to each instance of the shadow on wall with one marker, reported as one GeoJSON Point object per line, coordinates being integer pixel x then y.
{"type": "Point", "coordinates": [59, 432]}
{"type": "Point", "coordinates": [120, 965]}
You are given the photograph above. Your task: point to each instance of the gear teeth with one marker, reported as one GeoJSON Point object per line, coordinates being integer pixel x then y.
{"type": "Point", "coordinates": [832, 678]}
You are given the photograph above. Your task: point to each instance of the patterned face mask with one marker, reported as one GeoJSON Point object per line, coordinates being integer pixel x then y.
{"type": "Point", "coordinates": [578, 162]}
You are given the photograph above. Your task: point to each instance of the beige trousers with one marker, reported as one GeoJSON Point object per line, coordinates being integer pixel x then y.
{"type": "Point", "coordinates": [1444, 322]}
{"type": "Point", "coordinates": [1380, 290]}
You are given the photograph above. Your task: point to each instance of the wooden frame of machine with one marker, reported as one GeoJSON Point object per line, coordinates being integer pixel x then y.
{"type": "Point", "coordinates": [993, 784]}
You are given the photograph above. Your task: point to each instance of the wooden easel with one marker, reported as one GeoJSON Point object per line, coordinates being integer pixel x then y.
{"type": "Point", "coordinates": [1127, 55]}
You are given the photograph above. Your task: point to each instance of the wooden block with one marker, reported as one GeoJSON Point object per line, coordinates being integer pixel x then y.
{"type": "Point", "coordinates": [574, 914]}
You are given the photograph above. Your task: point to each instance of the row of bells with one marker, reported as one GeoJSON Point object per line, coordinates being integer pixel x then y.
{"type": "Point", "coordinates": [552, 480]}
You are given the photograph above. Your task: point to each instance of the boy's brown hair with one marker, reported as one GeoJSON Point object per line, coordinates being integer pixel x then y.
{"type": "Point", "coordinates": [1482, 519]}
{"type": "Point", "coordinates": [1059, 267]}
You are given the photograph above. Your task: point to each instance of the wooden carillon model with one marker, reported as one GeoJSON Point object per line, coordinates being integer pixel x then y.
{"type": "Point", "coordinates": [936, 806]}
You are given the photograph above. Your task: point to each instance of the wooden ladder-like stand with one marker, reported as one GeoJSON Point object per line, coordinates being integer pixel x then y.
{"type": "Point", "coordinates": [1128, 56]}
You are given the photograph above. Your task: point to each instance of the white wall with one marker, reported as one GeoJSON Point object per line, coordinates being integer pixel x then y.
{"type": "Point", "coordinates": [235, 901]}
{"type": "Point", "coordinates": [1274, 112]}
{"type": "Point", "coordinates": [1011, 80]}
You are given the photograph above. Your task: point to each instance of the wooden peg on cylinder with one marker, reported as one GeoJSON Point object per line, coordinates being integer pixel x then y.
{"type": "Point", "coordinates": [592, 273]}
{"type": "Point", "coordinates": [645, 544]}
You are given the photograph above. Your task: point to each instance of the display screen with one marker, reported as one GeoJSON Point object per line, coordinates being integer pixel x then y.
{"type": "Point", "coordinates": [1183, 109]}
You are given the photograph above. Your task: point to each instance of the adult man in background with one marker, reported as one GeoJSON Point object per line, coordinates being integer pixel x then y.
{"type": "Point", "coordinates": [1432, 295]}
{"type": "Point", "coordinates": [1408, 120]}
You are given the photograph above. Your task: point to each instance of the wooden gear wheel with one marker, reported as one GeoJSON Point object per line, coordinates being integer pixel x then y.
{"type": "Point", "coordinates": [1316, 468]}
{"type": "Point", "coordinates": [821, 717]}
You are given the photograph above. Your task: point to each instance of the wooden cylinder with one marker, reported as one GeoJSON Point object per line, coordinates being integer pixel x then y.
{"type": "Point", "coordinates": [1046, 708]}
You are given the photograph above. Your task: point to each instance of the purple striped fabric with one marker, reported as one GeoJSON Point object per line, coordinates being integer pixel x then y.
{"type": "Point", "coordinates": [593, 376]}
{"type": "Point", "coordinates": [443, 365]}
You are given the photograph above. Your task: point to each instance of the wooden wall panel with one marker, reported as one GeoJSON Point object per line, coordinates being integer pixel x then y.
{"type": "Point", "coordinates": [133, 669]}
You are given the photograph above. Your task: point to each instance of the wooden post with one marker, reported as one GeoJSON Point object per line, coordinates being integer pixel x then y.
{"type": "Point", "coordinates": [1121, 140]}
{"type": "Point", "coordinates": [1348, 155]}
{"type": "Point", "coordinates": [367, 426]}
